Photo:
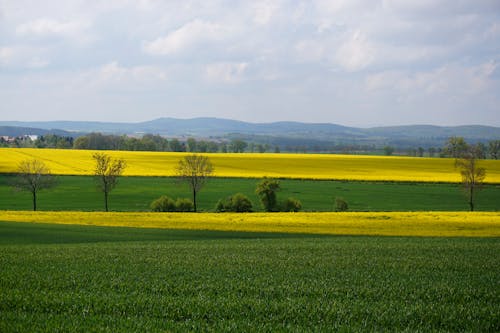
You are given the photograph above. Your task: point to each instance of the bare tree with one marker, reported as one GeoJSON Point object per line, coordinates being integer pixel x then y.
{"type": "Point", "coordinates": [33, 176]}
{"type": "Point", "coordinates": [195, 169]}
{"type": "Point", "coordinates": [472, 175]}
{"type": "Point", "coordinates": [106, 173]}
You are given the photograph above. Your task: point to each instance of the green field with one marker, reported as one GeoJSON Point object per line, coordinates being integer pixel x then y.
{"type": "Point", "coordinates": [136, 193]}
{"type": "Point", "coordinates": [81, 279]}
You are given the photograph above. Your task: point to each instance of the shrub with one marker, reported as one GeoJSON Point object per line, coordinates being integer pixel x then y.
{"type": "Point", "coordinates": [238, 202]}
{"type": "Point", "coordinates": [163, 204]}
{"type": "Point", "coordinates": [341, 205]}
{"type": "Point", "coordinates": [184, 205]}
{"type": "Point", "coordinates": [291, 205]}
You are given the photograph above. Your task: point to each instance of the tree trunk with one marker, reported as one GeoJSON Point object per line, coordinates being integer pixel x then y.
{"type": "Point", "coordinates": [34, 200]}
{"type": "Point", "coordinates": [106, 200]}
{"type": "Point", "coordinates": [471, 198]}
{"type": "Point", "coordinates": [194, 199]}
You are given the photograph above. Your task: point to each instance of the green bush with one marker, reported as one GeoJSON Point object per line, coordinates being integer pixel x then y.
{"type": "Point", "coordinates": [238, 203]}
{"type": "Point", "coordinates": [291, 205]}
{"type": "Point", "coordinates": [184, 205]}
{"type": "Point", "coordinates": [163, 204]}
{"type": "Point", "coordinates": [341, 205]}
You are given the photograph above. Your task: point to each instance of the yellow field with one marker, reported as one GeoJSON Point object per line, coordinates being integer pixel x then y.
{"type": "Point", "coordinates": [447, 224]}
{"type": "Point", "coordinates": [311, 166]}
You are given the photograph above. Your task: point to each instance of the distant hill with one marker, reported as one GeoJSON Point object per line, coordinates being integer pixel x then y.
{"type": "Point", "coordinates": [14, 131]}
{"type": "Point", "coordinates": [292, 132]}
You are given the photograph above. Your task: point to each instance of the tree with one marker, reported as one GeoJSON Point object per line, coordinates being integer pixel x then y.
{"type": "Point", "coordinates": [33, 176]}
{"type": "Point", "coordinates": [106, 173]}
{"type": "Point", "coordinates": [472, 174]}
{"type": "Point", "coordinates": [195, 170]}
{"type": "Point", "coordinates": [494, 148]}
{"type": "Point", "coordinates": [266, 190]}
{"type": "Point", "coordinates": [341, 205]}
{"type": "Point", "coordinates": [388, 150]}
{"type": "Point", "coordinates": [238, 146]}
{"type": "Point", "coordinates": [291, 205]}
{"type": "Point", "coordinates": [456, 147]}
{"type": "Point", "coordinates": [238, 203]}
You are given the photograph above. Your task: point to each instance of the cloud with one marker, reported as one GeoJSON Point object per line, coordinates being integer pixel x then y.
{"type": "Point", "coordinates": [49, 27]}
{"type": "Point", "coordinates": [114, 75]}
{"type": "Point", "coordinates": [189, 35]}
{"type": "Point", "coordinates": [356, 53]}
{"type": "Point", "coordinates": [225, 72]}
{"type": "Point", "coordinates": [19, 56]}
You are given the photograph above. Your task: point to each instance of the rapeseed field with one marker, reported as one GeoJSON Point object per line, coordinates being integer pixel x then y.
{"type": "Point", "coordinates": [296, 166]}
{"type": "Point", "coordinates": [442, 224]}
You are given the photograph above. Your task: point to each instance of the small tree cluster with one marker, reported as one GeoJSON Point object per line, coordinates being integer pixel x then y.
{"type": "Point", "coordinates": [267, 189]}
{"type": "Point", "coordinates": [238, 203]}
{"type": "Point", "coordinates": [341, 205]}
{"type": "Point", "coordinates": [167, 204]}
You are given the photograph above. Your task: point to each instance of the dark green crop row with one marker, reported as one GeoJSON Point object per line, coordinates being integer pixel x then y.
{"type": "Point", "coordinates": [88, 279]}
{"type": "Point", "coordinates": [136, 194]}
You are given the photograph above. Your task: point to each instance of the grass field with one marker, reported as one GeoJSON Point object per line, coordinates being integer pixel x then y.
{"type": "Point", "coordinates": [81, 279]}
{"type": "Point", "coordinates": [302, 166]}
{"type": "Point", "coordinates": [136, 193]}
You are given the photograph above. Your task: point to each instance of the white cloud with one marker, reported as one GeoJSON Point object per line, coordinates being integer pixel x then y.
{"type": "Point", "coordinates": [226, 72]}
{"type": "Point", "coordinates": [356, 53]}
{"type": "Point", "coordinates": [113, 74]}
{"type": "Point", "coordinates": [187, 36]}
{"type": "Point", "coordinates": [50, 27]}
{"type": "Point", "coordinates": [452, 80]}
{"type": "Point", "coordinates": [27, 57]}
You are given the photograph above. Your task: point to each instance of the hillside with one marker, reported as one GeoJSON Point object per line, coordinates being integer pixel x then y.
{"type": "Point", "coordinates": [291, 133]}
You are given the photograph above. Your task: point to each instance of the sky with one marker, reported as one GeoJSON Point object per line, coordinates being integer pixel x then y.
{"type": "Point", "coordinates": [351, 62]}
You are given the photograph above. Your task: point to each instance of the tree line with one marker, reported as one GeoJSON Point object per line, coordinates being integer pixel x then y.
{"type": "Point", "coordinates": [149, 142]}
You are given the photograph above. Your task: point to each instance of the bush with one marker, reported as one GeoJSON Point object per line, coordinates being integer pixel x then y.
{"type": "Point", "coordinates": [341, 205]}
{"type": "Point", "coordinates": [291, 205]}
{"type": "Point", "coordinates": [238, 203]}
{"type": "Point", "coordinates": [184, 205]}
{"type": "Point", "coordinates": [163, 204]}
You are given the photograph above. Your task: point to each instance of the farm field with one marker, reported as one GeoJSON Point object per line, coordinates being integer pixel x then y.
{"type": "Point", "coordinates": [456, 224]}
{"type": "Point", "coordinates": [87, 278]}
{"type": "Point", "coordinates": [301, 166]}
{"type": "Point", "coordinates": [136, 194]}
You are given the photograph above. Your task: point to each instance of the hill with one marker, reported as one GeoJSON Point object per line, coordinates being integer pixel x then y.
{"type": "Point", "coordinates": [284, 133]}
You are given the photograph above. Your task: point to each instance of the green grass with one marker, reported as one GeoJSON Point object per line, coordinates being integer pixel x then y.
{"type": "Point", "coordinates": [81, 279]}
{"type": "Point", "coordinates": [136, 193]}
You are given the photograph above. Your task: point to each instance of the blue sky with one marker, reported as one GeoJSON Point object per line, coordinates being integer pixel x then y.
{"type": "Point", "coordinates": [358, 63]}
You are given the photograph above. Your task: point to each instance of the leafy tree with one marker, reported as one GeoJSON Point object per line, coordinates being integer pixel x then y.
{"type": "Point", "coordinates": [238, 203]}
{"type": "Point", "coordinates": [184, 205]}
{"type": "Point", "coordinates": [291, 205]}
{"type": "Point", "coordinates": [238, 146]}
{"type": "Point", "coordinates": [195, 170]}
{"type": "Point", "coordinates": [266, 190]}
{"type": "Point", "coordinates": [106, 173]}
{"type": "Point", "coordinates": [341, 205]}
{"type": "Point", "coordinates": [456, 147]}
{"type": "Point", "coordinates": [494, 149]}
{"type": "Point", "coordinates": [191, 145]}
{"type": "Point", "coordinates": [33, 176]}
{"type": "Point", "coordinates": [388, 150]}
{"type": "Point", "coordinates": [176, 145]}
{"type": "Point", "coordinates": [163, 204]}
{"type": "Point", "coordinates": [472, 175]}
